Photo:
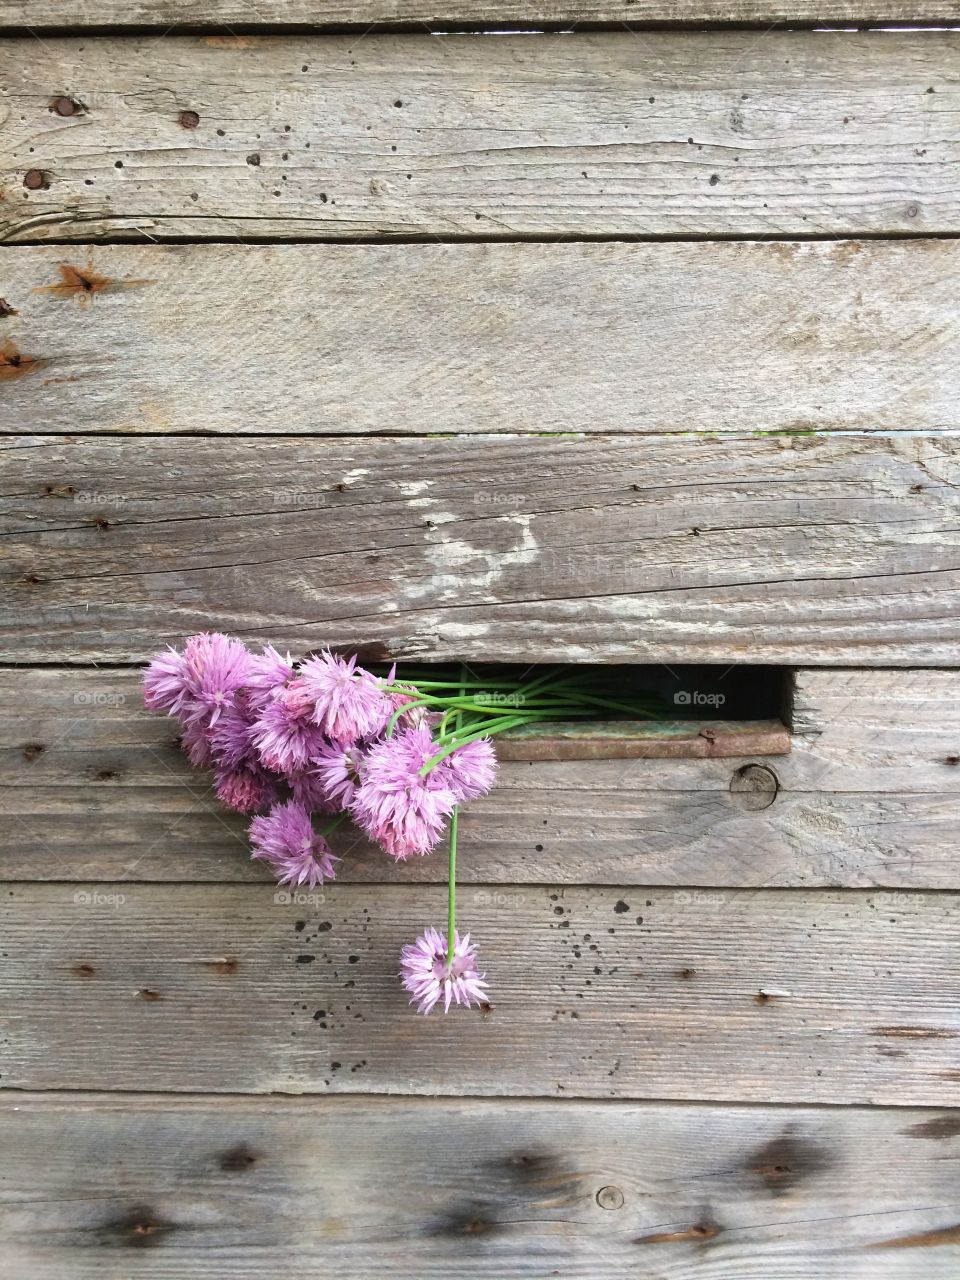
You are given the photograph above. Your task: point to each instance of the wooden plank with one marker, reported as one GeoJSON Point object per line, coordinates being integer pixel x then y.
{"type": "Point", "coordinates": [434, 339]}
{"type": "Point", "coordinates": [771, 995]}
{"type": "Point", "coordinates": [524, 14]}
{"type": "Point", "coordinates": [368, 136]}
{"type": "Point", "coordinates": [505, 1189]}
{"type": "Point", "coordinates": [818, 550]}
{"type": "Point", "coordinates": [92, 788]}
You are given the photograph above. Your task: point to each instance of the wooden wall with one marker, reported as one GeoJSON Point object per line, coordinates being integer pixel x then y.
{"type": "Point", "coordinates": [631, 336]}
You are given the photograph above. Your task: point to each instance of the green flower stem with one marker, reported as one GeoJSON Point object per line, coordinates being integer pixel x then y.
{"type": "Point", "coordinates": [452, 889]}
{"type": "Point", "coordinates": [333, 823]}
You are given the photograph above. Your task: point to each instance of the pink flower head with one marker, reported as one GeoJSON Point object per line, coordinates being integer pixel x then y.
{"type": "Point", "coordinates": [348, 701]}
{"type": "Point", "coordinates": [217, 668]}
{"type": "Point", "coordinates": [231, 737]}
{"type": "Point", "coordinates": [427, 976]}
{"type": "Point", "coordinates": [245, 789]}
{"type": "Point", "coordinates": [195, 741]}
{"type": "Point", "coordinates": [337, 770]}
{"type": "Point", "coordinates": [286, 841]}
{"type": "Point", "coordinates": [470, 770]}
{"type": "Point", "coordinates": [393, 804]}
{"type": "Point", "coordinates": [269, 673]}
{"type": "Point", "coordinates": [309, 791]}
{"type": "Point", "coordinates": [165, 682]}
{"type": "Point", "coordinates": [285, 737]}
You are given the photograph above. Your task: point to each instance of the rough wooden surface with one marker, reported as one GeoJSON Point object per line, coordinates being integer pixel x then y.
{"type": "Point", "coordinates": [102, 1188]}
{"type": "Point", "coordinates": [826, 551]}
{"type": "Point", "coordinates": [92, 787]}
{"type": "Point", "coordinates": [599, 992]}
{"type": "Point", "coordinates": [582, 135]}
{"type": "Point", "coordinates": [421, 339]}
{"type": "Point", "coordinates": [423, 14]}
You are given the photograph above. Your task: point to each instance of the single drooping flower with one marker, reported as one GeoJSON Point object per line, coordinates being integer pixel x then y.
{"type": "Point", "coordinates": [348, 703]}
{"type": "Point", "coordinates": [284, 734]}
{"type": "Point", "coordinates": [470, 770]}
{"type": "Point", "coordinates": [337, 770]}
{"type": "Point", "coordinates": [286, 841]}
{"type": "Point", "coordinates": [247, 789]}
{"type": "Point", "coordinates": [428, 977]}
{"type": "Point", "coordinates": [269, 672]}
{"type": "Point", "coordinates": [393, 804]}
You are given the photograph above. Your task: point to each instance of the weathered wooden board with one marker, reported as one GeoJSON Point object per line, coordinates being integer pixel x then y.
{"type": "Point", "coordinates": [583, 135]}
{"type": "Point", "coordinates": [295, 1187]}
{"type": "Point", "coordinates": [816, 550]}
{"type": "Point", "coordinates": [426, 339]}
{"type": "Point", "coordinates": [420, 14]}
{"type": "Point", "coordinates": [771, 995]}
{"type": "Point", "coordinates": [91, 788]}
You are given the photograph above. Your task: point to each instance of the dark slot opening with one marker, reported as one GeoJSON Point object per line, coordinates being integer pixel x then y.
{"type": "Point", "coordinates": [686, 710]}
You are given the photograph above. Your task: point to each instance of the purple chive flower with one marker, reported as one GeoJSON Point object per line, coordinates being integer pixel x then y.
{"type": "Point", "coordinates": [470, 770]}
{"type": "Point", "coordinates": [246, 789]}
{"type": "Point", "coordinates": [393, 804]}
{"type": "Point", "coordinates": [308, 790]}
{"type": "Point", "coordinates": [286, 841]}
{"type": "Point", "coordinates": [217, 668]}
{"type": "Point", "coordinates": [337, 770]}
{"type": "Point", "coordinates": [195, 741]}
{"type": "Point", "coordinates": [285, 737]}
{"type": "Point", "coordinates": [428, 977]}
{"type": "Point", "coordinates": [165, 682]}
{"type": "Point", "coordinates": [269, 672]}
{"type": "Point", "coordinates": [231, 737]}
{"type": "Point", "coordinates": [348, 701]}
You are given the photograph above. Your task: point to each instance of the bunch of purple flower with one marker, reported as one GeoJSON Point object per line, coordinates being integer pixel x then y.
{"type": "Point", "coordinates": [289, 741]}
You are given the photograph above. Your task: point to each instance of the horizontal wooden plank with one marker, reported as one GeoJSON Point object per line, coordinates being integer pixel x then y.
{"type": "Point", "coordinates": [427, 339]}
{"type": "Point", "coordinates": [182, 14]}
{"type": "Point", "coordinates": [93, 788]}
{"type": "Point", "coordinates": [505, 1189]}
{"type": "Point", "coordinates": [660, 135]}
{"type": "Point", "coordinates": [772, 995]}
{"type": "Point", "coordinates": [827, 551]}
{"type": "Point", "coordinates": [645, 740]}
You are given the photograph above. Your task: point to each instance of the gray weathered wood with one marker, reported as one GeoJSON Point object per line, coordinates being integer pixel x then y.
{"type": "Point", "coordinates": [660, 134]}
{"type": "Point", "coordinates": [827, 551]}
{"type": "Point", "coordinates": [91, 787]}
{"type": "Point", "coordinates": [601, 992]}
{"type": "Point", "coordinates": [411, 1188]}
{"type": "Point", "coordinates": [421, 339]}
{"type": "Point", "coordinates": [420, 14]}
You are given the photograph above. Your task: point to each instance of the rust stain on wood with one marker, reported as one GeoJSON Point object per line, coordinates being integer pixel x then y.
{"type": "Point", "coordinates": [85, 283]}
{"type": "Point", "coordinates": [645, 740]}
{"type": "Point", "coordinates": [922, 1240]}
{"type": "Point", "coordinates": [703, 1231]}
{"type": "Point", "coordinates": [14, 364]}
{"type": "Point", "coordinates": [945, 1126]}
{"type": "Point", "coordinates": [915, 1033]}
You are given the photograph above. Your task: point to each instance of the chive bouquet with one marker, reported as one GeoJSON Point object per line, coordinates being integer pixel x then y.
{"type": "Point", "coordinates": [303, 746]}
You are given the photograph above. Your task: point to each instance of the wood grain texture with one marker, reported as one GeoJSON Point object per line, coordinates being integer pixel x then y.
{"type": "Point", "coordinates": [815, 550]}
{"type": "Point", "coordinates": [420, 14]}
{"type": "Point", "coordinates": [92, 788]}
{"type": "Point", "coordinates": [427, 339]}
{"type": "Point", "coordinates": [660, 134]}
{"type": "Point", "coordinates": [504, 1190]}
{"type": "Point", "coordinates": [597, 992]}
